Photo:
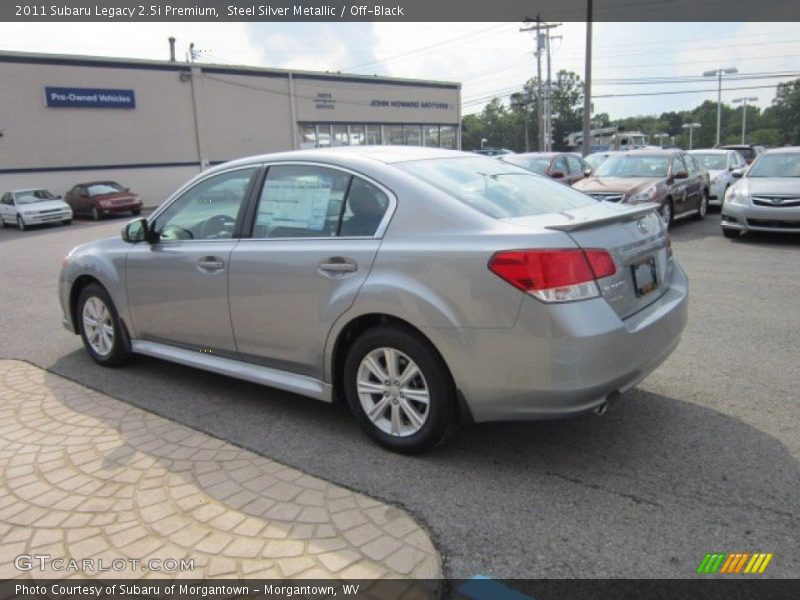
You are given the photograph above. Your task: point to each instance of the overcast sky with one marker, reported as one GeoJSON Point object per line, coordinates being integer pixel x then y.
{"type": "Point", "coordinates": [487, 58]}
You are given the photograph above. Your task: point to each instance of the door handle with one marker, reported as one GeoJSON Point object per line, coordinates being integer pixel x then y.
{"type": "Point", "coordinates": [211, 263]}
{"type": "Point", "coordinates": [338, 264]}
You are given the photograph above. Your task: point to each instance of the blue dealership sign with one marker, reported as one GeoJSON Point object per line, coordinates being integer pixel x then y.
{"type": "Point", "coordinates": [89, 98]}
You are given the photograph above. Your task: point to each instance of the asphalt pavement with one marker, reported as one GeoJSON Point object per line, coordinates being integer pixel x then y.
{"type": "Point", "coordinates": [701, 457]}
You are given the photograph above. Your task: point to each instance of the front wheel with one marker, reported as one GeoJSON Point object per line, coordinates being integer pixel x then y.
{"type": "Point", "coordinates": [95, 213]}
{"type": "Point", "coordinates": [101, 329]}
{"type": "Point", "coordinates": [21, 223]}
{"type": "Point", "coordinates": [67, 222]}
{"type": "Point", "coordinates": [666, 212]}
{"type": "Point", "coordinates": [399, 389]}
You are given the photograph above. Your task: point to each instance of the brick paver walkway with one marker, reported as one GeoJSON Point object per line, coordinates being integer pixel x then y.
{"type": "Point", "coordinates": [85, 476]}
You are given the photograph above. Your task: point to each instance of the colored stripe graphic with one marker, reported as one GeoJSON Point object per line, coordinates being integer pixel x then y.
{"type": "Point", "coordinates": [734, 563]}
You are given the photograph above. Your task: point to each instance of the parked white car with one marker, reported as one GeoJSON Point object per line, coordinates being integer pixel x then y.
{"type": "Point", "coordinates": [35, 206]}
{"type": "Point", "coordinates": [720, 164]}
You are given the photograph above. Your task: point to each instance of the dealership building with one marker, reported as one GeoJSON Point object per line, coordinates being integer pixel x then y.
{"type": "Point", "coordinates": [151, 125]}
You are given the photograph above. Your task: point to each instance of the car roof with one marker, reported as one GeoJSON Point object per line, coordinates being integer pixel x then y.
{"type": "Point", "coordinates": [539, 154]}
{"type": "Point", "coordinates": [654, 151]}
{"type": "Point", "coordinates": [380, 154]}
{"type": "Point", "coordinates": [35, 189]}
{"type": "Point", "coordinates": [783, 150]}
{"type": "Point", "coordinates": [97, 182]}
{"type": "Point", "coordinates": [710, 151]}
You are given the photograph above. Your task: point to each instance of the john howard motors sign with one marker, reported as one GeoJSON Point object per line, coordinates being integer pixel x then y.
{"type": "Point", "coordinates": [89, 98]}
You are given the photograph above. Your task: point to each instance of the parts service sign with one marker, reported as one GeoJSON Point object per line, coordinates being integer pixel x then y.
{"type": "Point", "coordinates": [89, 98]}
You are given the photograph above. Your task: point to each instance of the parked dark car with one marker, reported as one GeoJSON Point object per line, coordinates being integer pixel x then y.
{"type": "Point", "coordinates": [101, 198]}
{"type": "Point", "coordinates": [562, 166]}
{"type": "Point", "coordinates": [493, 151]}
{"type": "Point", "coordinates": [671, 178]}
{"type": "Point", "coordinates": [748, 151]}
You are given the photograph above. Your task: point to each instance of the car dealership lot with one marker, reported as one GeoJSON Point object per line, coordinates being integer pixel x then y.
{"type": "Point", "coordinates": [702, 456]}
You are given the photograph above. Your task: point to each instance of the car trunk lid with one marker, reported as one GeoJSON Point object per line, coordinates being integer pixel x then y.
{"type": "Point", "coordinates": [637, 241]}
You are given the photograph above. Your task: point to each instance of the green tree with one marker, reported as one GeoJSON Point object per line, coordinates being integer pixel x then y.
{"type": "Point", "coordinates": [786, 105]}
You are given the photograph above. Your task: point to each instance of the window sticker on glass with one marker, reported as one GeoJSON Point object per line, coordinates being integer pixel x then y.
{"type": "Point", "coordinates": [297, 203]}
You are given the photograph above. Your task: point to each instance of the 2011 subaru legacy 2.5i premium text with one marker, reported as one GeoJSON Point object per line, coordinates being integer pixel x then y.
{"type": "Point", "coordinates": [426, 287]}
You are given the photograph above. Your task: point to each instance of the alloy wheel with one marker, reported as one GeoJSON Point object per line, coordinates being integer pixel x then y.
{"type": "Point", "coordinates": [393, 392]}
{"type": "Point", "coordinates": [98, 326]}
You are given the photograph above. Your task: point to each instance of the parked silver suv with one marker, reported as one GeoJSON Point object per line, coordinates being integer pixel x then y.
{"type": "Point", "coordinates": [425, 286]}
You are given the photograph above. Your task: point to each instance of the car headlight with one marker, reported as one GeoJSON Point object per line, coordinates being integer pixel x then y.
{"type": "Point", "coordinates": [647, 194]}
{"type": "Point", "coordinates": [734, 196]}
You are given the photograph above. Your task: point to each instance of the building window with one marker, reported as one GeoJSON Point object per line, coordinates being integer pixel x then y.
{"type": "Point", "coordinates": [448, 136]}
{"type": "Point", "coordinates": [412, 135]}
{"type": "Point", "coordinates": [357, 136]}
{"type": "Point", "coordinates": [323, 135]}
{"type": "Point", "coordinates": [340, 135]}
{"type": "Point", "coordinates": [430, 135]}
{"type": "Point", "coordinates": [394, 135]}
{"type": "Point", "coordinates": [374, 135]}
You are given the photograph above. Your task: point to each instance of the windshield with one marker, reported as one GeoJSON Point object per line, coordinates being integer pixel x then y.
{"type": "Point", "coordinates": [712, 162]}
{"type": "Point", "coordinates": [107, 187]}
{"type": "Point", "coordinates": [776, 165]}
{"type": "Point", "coordinates": [595, 160]}
{"type": "Point", "coordinates": [31, 196]}
{"type": "Point", "coordinates": [634, 166]}
{"type": "Point", "coordinates": [537, 164]}
{"type": "Point", "coordinates": [495, 188]}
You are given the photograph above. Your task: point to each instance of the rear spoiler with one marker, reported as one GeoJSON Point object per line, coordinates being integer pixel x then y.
{"type": "Point", "coordinates": [631, 215]}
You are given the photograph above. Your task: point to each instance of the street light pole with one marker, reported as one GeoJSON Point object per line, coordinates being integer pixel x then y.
{"type": "Point", "coordinates": [744, 101]}
{"type": "Point", "coordinates": [718, 74]}
{"type": "Point", "coordinates": [690, 127]}
{"type": "Point", "coordinates": [587, 84]}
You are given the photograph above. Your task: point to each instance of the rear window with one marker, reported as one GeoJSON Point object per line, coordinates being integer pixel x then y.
{"type": "Point", "coordinates": [107, 187]}
{"type": "Point", "coordinates": [496, 189]}
{"type": "Point", "coordinates": [537, 165]}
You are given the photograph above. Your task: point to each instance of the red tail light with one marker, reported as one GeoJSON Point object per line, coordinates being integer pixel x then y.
{"type": "Point", "coordinates": [554, 275]}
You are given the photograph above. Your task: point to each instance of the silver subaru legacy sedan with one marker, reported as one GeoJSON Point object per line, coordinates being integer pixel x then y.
{"type": "Point", "coordinates": [425, 287]}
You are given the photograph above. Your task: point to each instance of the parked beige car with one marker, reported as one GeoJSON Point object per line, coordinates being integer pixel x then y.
{"type": "Point", "coordinates": [670, 178]}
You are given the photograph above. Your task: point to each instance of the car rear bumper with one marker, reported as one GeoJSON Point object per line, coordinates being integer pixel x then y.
{"type": "Point", "coordinates": [761, 218]}
{"type": "Point", "coordinates": [562, 360]}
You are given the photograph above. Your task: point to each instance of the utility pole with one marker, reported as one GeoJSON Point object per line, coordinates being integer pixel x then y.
{"type": "Point", "coordinates": [540, 44]}
{"type": "Point", "coordinates": [744, 101]}
{"type": "Point", "coordinates": [549, 99]}
{"type": "Point", "coordinates": [587, 85]}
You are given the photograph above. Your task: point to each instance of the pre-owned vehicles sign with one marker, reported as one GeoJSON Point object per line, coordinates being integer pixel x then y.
{"type": "Point", "coordinates": [89, 98]}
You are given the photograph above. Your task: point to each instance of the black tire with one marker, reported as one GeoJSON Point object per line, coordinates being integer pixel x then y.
{"type": "Point", "coordinates": [21, 223]}
{"type": "Point", "coordinates": [668, 206]}
{"type": "Point", "coordinates": [120, 351]}
{"type": "Point", "coordinates": [68, 222]}
{"type": "Point", "coordinates": [136, 212]}
{"type": "Point", "coordinates": [441, 407]}
{"type": "Point", "coordinates": [95, 213]}
{"type": "Point", "coordinates": [731, 234]}
{"type": "Point", "coordinates": [702, 209]}
{"type": "Point", "coordinates": [3, 223]}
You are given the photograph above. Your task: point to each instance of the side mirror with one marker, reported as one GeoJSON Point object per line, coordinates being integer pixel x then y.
{"type": "Point", "coordinates": [737, 173]}
{"type": "Point", "coordinates": [681, 175]}
{"type": "Point", "coordinates": [557, 174]}
{"type": "Point", "coordinates": [587, 172]}
{"type": "Point", "coordinates": [137, 231]}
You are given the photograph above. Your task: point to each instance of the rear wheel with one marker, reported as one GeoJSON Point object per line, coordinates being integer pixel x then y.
{"type": "Point", "coordinates": [702, 208]}
{"type": "Point", "coordinates": [399, 389]}
{"type": "Point", "coordinates": [3, 223]}
{"type": "Point", "coordinates": [730, 233]}
{"type": "Point", "coordinates": [101, 330]}
{"type": "Point", "coordinates": [21, 223]}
